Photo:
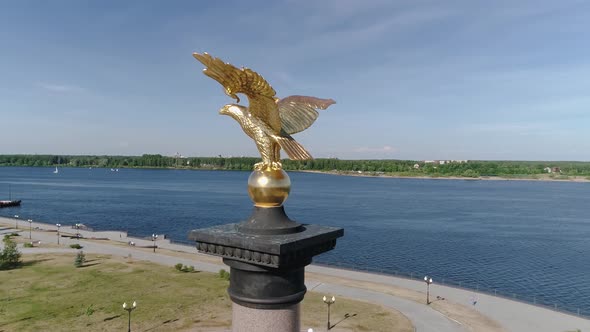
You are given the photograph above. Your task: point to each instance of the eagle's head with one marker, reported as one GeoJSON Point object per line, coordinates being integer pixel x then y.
{"type": "Point", "coordinates": [233, 110]}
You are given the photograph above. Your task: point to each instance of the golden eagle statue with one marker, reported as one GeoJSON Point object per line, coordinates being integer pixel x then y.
{"type": "Point", "coordinates": [268, 120]}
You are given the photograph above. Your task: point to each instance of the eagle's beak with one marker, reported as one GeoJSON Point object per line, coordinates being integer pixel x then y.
{"type": "Point", "coordinates": [223, 111]}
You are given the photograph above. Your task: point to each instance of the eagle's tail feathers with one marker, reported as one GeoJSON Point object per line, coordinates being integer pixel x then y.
{"type": "Point", "coordinates": [294, 150]}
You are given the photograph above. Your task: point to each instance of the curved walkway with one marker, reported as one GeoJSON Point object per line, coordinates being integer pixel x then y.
{"type": "Point", "coordinates": [512, 315]}
{"type": "Point", "coordinates": [423, 317]}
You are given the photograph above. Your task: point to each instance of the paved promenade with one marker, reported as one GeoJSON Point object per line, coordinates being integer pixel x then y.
{"type": "Point", "coordinates": [511, 315]}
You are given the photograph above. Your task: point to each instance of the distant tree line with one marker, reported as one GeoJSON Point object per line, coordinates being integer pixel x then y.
{"type": "Point", "coordinates": [390, 167]}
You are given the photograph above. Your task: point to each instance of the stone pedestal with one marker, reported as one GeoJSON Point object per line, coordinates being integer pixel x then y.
{"type": "Point", "coordinates": [267, 255]}
{"type": "Point", "coordinates": [269, 320]}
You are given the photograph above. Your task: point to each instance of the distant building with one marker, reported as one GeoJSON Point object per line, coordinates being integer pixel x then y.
{"type": "Point", "coordinates": [416, 166]}
{"type": "Point", "coordinates": [552, 169]}
{"type": "Point", "coordinates": [443, 162]}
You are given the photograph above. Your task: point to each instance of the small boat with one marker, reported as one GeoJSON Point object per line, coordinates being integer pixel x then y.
{"type": "Point", "coordinates": [58, 163]}
{"type": "Point", "coordinates": [9, 203]}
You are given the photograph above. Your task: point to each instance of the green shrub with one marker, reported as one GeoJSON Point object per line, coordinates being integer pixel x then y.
{"type": "Point", "coordinates": [89, 310]}
{"type": "Point", "coordinates": [10, 256]}
{"type": "Point", "coordinates": [223, 274]}
{"type": "Point", "coordinates": [14, 234]}
{"type": "Point", "coordinates": [80, 259]}
{"type": "Point", "coordinates": [469, 173]}
{"type": "Point", "coordinates": [28, 245]}
{"type": "Point", "coordinates": [76, 246]}
{"type": "Point", "coordinates": [184, 268]}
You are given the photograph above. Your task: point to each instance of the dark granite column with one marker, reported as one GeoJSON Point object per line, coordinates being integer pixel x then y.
{"type": "Point", "coordinates": [267, 255]}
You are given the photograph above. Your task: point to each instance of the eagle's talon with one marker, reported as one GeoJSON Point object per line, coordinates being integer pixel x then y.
{"type": "Point", "coordinates": [260, 166]}
{"type": "Point", "coordinates": [272, 166]}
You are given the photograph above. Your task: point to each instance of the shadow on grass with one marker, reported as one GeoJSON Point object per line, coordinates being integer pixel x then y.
{"type": "Point", "coordinates": [88, 265]}
{"type": "Point", "coordinates": [346, 316]}
{"type": "Point", "coordinates": [34, 262]}
{"type": "Point", "coordinates": [14, 321]}
{"type": "Point", "coordinates": [160, 325]}
{"type": "Point", "coordinates": [111, 318]}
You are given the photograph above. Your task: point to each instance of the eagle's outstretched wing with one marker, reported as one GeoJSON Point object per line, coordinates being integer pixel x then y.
{"type": "Point", "coordinates": [260, 94]}
{"type": "Point", "coordinates": [297, 113]}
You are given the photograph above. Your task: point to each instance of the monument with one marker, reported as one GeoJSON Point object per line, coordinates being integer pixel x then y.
{"type": "Point", "coordinates": [267, 253]}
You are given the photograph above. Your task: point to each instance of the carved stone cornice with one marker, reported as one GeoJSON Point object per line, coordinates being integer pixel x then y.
{"type": "Point", "coordinates": [267, 250]}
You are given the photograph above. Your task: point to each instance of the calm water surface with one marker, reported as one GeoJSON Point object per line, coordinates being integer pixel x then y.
{"type": "Point", "coordinates": [527, 238]}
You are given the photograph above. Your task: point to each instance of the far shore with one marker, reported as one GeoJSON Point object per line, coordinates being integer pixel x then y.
{"type": "Point", "coordinates": [426, 177]}
{"type": "Point", "coordinates": [523, 177]}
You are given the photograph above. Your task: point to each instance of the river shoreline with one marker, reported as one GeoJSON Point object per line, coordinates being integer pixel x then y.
{"type": "Point", "coordinates": [493, 314]}
{"type": "Point", "coordinates": [532, 178]}
{"type": "Point", "coordinates": [426, 177]}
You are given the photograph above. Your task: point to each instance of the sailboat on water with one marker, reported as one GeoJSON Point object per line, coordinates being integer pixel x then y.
{"type": "Point", "coordinates": [56, 170]}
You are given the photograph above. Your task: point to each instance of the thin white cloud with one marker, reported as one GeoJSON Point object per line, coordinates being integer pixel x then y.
{"type": "Point", "coordinates": [381, 149]}
{"type": "Point", "coordinates": [60, 87]}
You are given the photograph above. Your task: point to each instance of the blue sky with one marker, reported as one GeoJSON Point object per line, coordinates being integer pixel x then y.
{"type": "Point", "coordinates": [412, 79]}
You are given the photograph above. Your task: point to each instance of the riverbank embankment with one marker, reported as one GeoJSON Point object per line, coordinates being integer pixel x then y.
{"type": "Point", "coordinates": [452, 308]}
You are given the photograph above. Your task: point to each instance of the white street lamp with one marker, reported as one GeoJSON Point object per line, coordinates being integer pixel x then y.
{"type": "Point", "coordinates": [329, 302]}
{"type": "Point", "coordinates": [129, 310]}
{"type": "Point", "coordinates": [428, 281]}
{"type": "Point", "coordinates": [58, 226]}
{"type": "Point", "coordinates": [154, 238]}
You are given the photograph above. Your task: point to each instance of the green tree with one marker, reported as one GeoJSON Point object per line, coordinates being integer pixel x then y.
{"type": "Point", "coordinates": [470, 174]}
{"type": "Point", "coordinates": [10, 256]}
{"type": "Point", "coordinates": [80, 259]}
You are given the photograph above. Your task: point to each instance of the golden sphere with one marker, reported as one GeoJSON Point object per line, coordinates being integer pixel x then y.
{"type": "Point", "coordinates": [269, 187]}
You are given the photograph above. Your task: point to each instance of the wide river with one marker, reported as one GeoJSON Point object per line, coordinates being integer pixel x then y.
{"type": "Point", "coordinates": [523, 239]}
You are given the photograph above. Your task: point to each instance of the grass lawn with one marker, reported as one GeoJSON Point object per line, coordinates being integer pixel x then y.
{"type": "Point", "coordinates": [49, 294]}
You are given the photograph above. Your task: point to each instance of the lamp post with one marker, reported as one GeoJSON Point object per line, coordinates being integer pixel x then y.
{"type": "Point", "coordinates": [58, 226]}
{"type": "Point", "coordinates": [129, 310]}
{"type": "Point", "coordinates": [30, 227]}
{"type": "Point", "coordinates": [77, 231]}
{"type": "Point", "coordinates": [428, 281]}
{"type": "Point", "coordinates": [329, 302]}
{"type": "Point", "coordinates": [154, 238]}
{"type": "Point", "coordinates": [16, 221]}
